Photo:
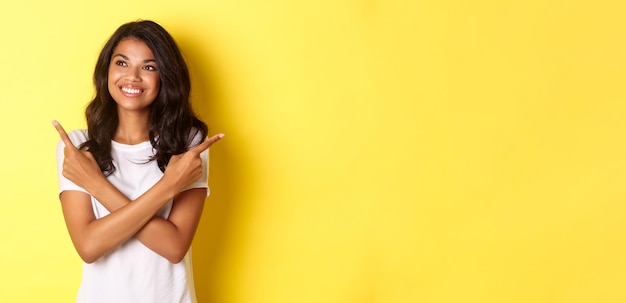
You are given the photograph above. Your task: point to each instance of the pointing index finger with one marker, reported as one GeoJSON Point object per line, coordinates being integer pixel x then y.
{"type": "Point", "coordinates": [63, 134]}
{"type": "Point", "coordinates": [207, 143]}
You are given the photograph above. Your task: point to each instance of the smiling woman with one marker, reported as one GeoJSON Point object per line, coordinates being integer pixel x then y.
{"type": "Point", "coordinates": [143, 145]}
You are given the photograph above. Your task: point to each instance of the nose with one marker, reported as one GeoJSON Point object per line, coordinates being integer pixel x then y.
{"type": "Point", "coordinates": [134, 74]}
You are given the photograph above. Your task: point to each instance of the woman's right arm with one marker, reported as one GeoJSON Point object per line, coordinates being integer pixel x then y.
{"type": "Point", "coordinates": [169, 237]}
{"type": "Point", "coordinates": [95, 237]}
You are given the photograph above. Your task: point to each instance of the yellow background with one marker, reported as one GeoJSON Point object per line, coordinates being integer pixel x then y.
{"type": "Point", "coordinates": [376, 151]}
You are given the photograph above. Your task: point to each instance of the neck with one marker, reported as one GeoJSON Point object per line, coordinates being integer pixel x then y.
{"type": "Point", "coordinates": [132, 128]}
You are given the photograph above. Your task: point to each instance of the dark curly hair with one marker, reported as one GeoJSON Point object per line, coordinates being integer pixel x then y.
{"type": "Point", "coordinates": [172, 124]}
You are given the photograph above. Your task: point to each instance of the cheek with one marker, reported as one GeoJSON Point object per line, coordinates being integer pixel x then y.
{"type": "Point", "coordinates": [112, 75]}
{"type": "Point", "coordinates": [110, 82]}
{"type": "Point", "coordinates": [157, 83]}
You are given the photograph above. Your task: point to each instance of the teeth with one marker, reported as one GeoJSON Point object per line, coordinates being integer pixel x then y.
{"type": "Point", "coordinates": [131, 90]}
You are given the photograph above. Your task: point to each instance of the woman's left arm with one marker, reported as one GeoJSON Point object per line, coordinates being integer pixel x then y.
{"type": "Point", "coordinates": [170, 238]}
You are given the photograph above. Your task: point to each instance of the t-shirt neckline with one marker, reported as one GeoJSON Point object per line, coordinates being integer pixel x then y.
{"type": "Point", "coordinates": [140, 145]}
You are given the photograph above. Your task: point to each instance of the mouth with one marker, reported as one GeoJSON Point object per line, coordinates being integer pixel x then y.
{"type": "Point", "coordinates": [131, 91]}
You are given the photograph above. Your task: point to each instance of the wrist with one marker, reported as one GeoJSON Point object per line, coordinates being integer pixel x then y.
{"type": "Point", "coordinates": [97, 186]}
{"type": "Point", "coordinates": [168, 186]}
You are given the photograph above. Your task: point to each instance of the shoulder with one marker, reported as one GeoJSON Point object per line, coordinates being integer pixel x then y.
{"type": "Point", "coordinates": [195, 137]}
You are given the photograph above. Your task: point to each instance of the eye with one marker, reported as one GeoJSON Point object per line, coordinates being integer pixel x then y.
{"type": "Point", "coordinates": [150, 68]}
{"type": "Point", "coordinates": [120, 63]}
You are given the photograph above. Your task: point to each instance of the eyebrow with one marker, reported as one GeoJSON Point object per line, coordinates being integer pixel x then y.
{"type": "Point", "coordinates": [126, 58]}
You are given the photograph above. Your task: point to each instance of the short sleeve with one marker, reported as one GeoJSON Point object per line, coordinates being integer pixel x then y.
{"type": "Point", "coordinates": [77, 137]}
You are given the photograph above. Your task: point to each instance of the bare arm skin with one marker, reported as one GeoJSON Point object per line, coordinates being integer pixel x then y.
{"type": "Point", "coordinates": [169, 238]}
{"type": "Point", "coordinates": [95, 237]}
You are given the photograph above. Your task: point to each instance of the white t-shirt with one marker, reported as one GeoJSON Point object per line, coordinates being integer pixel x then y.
{"type": "Point", "coordinates": [132, 272]}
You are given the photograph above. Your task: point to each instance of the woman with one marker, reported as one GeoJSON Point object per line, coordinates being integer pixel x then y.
{"type": "Point", "coordinates": [133, 189]}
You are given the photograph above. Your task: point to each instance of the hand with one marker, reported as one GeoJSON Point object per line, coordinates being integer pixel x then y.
{"type": "Point", "coordinates": [79, 166]}
{"type": "Point", "coordinates": [187, 167]}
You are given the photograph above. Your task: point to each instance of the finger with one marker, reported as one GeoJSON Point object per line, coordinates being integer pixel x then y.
{"type": "Point", "coordinates": [63, 134]}
{"type": "Point", "coordinates": [207, 143]}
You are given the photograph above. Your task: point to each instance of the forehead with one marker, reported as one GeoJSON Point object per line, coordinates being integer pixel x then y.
{"type": "Point", "coordinates": [133, 48]}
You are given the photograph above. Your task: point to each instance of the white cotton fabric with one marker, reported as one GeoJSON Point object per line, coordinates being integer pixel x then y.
{"type": "Point", "coordinates": [132, 272]}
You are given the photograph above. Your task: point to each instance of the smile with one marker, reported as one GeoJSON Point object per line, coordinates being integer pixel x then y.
{"type": "Point", "coordinates": [132, 91]}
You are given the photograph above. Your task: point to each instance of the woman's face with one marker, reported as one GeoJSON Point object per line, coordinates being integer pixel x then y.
{"type": "Point", "coordinates": [133, 79]}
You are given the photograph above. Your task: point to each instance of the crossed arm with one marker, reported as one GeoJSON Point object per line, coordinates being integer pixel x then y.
{"type": "Point", "coordinates": [169, 238]}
